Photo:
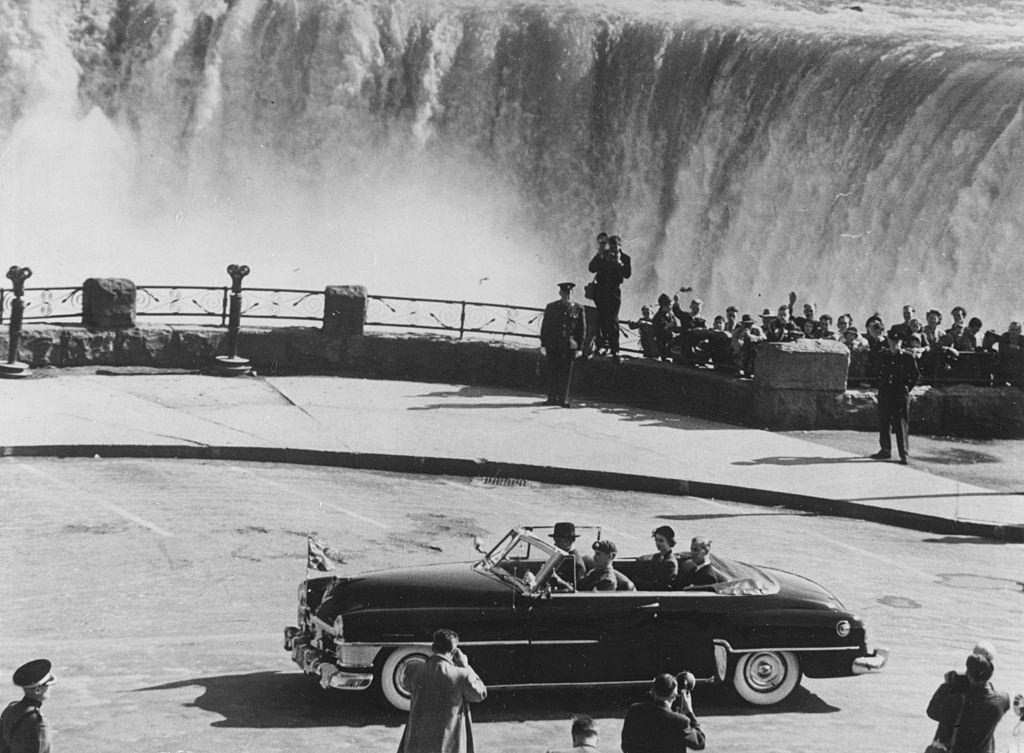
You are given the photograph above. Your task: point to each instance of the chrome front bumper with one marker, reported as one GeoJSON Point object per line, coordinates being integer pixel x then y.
{"type": "Point", "coordinates": [310, 660]}
{"type": "Point", "coordinates": [872, 663]}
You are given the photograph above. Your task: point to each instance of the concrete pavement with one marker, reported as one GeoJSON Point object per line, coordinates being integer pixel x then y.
{"type": "Point", "coordinates": [438, 428]}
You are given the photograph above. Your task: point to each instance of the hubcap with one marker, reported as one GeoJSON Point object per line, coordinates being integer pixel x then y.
{"type": "Point", "coordinates": [404, 673]}
{"type": "Point", "coordinates": [765, 672]}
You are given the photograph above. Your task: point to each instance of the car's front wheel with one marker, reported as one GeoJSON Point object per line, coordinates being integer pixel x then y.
{"type": "Point", "coordinates": [396, 674]}
{"type": "Point", "coordinates": [766, 677]}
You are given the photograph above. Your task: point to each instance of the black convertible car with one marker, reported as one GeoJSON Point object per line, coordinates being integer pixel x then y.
{"type": "Point", "coordinates": [759, 629]}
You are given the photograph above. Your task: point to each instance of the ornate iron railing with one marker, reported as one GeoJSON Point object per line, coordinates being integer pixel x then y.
{"type": "Point", "coordinates": [209, 304]}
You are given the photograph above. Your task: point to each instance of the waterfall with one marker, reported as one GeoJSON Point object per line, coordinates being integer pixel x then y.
{"type": "Point", "coordinates": [864, 159]}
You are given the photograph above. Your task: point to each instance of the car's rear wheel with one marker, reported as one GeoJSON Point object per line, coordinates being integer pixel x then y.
{"type": "Point", "coordinates": [766, 677]}
{"type": "Point", "coordinates": [396, 674]}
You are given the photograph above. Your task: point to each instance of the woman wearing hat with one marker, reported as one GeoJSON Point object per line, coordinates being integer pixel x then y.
{"type": "Point", "coordinates": [659, 569]}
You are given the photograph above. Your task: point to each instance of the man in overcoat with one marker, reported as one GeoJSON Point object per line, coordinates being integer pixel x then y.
{"type": "Point", "coordinates": [442, 689]}
{"type": "Point", "coordinates": [653, 727]}
{"type": "Point", "coordinates": [22, 727]}
{"type": "Point", "coordinates": [562, 332]}
{"type": "Point", "coordinates": [897, 375]}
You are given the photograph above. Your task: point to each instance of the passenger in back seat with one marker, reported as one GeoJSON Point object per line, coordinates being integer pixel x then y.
{"type": "Point", "coordinates": [657, 572]}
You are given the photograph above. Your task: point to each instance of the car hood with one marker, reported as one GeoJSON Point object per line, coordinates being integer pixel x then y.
{"type": "Point", "coordinates": [799, 588]}
{"type": "Point", "coordinates": [448, 585]}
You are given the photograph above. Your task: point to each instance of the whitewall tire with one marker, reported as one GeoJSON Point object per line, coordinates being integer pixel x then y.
{"type": "Point", "coordinates": [396, 674]}
{"type": "Point", "coordinates": [764, 678]}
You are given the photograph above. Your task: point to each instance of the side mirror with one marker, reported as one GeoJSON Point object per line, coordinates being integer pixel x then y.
{"type": "Point", "coordinates": [478, 545]}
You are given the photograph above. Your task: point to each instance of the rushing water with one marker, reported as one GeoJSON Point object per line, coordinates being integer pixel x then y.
{"type": "Point", "coordinates": [863, 155]}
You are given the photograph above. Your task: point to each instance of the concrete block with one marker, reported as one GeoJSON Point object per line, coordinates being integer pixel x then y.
{"type": "Point", "coordinates": [802, 365]}
{"type": "Point", "coordinates": [344, 309]}
{"type": "Point", "coordinates": [108, 302]}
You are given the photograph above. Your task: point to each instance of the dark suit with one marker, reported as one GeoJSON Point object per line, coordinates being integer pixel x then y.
{"type": "Point", "coordinates": [23, 729]}
{"type": "Point", "coordinates": [652, 727]}
{"type": "Point", "coordinates": [691, 575]}
{"type": "Point", "coordinates": [562, 333]}
{"type": "Point", "coordinates": [982, 706]}
{"type": "Point", "coordinates": [609, 274]}
{"type": "Point", "coordinates": [897, 375]}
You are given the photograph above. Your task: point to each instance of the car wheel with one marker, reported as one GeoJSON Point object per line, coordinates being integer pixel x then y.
{"type": "Point", "coordinates": [766, 677]}
{"type": "Point", "coordinates": [396, 673]}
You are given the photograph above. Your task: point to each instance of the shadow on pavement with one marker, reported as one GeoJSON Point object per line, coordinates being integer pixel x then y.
{"type": "Point", "coordinates": [264, 700]}
{"type": "Point", "coordinates": [965, 540]}
{"type": "Point", "coordinates": [785, 460]}
{"type": "Point", "coordinates": [712, 516]}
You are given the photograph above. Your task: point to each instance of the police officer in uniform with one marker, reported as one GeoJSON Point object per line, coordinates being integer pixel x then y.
{"type": "Point", "coordinates": [897, 375]}
{"type": "Point", "coordinates": [22, 727]}
{"type": "Point", "coordinates": [562, 332]}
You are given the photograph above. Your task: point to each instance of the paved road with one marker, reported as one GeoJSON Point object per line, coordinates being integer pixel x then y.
{"type": "Point", "coordinates": [160, 589]}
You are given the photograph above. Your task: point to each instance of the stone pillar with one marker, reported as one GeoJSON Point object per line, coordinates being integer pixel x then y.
{"type": "Point", "coordinates": [799, 385]}
{"type": "Point", "coordinates": [108, 303]}
{"type": "Point", "coordinates": [344, 309]}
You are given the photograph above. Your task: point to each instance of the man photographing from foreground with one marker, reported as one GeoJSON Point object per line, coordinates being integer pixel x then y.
{"type": "Point", "coordinates": [653, 727]}
{"type": "Point", "coordinates": [442, 689]}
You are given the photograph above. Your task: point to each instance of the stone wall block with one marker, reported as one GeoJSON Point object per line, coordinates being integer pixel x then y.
{"type": "Point", "coordinates": [108, 302]}
{"type": "Point", "coordinates": [87, 347]}
{"type": "Point", "coordinates": [145, 347]}
{"type": "Point", "coordinates": [802, 365]}
{"type": "Point", "coordinates": [344, 309]}
{"type": "Point", "coordinates": [194, 347]}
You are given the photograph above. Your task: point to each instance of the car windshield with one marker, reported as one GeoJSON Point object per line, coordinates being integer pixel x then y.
{"type": "Point", "coordinates": [522, 560]}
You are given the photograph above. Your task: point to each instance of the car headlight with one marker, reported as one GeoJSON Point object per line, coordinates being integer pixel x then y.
{"type": "Point", "coordinates": [339, 627]}
{"type": "Point", "coordinates": [843, 628]}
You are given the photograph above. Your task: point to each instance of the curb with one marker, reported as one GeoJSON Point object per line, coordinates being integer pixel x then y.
{"type": "Point", "coordinates": [539, 473]}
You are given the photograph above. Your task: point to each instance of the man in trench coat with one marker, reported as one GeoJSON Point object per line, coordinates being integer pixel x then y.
{"type": "Point", "coordinates": [442, 689]}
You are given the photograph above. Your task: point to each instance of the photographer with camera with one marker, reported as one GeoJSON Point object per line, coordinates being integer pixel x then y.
{"type": "Point", "coordinates": [611, 266]}
{"type": "Point", "coordinates": [967, 707]}
{"type": "Point", "coordinates": [656, 726]}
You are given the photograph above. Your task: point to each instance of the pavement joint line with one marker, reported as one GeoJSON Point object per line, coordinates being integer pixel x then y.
{"type": "Point", "coordinates": [101, 502]}
{"type": "Point", "coordinates": [322, 503]}
{"type": "Point", "coordinates": [544, 474]}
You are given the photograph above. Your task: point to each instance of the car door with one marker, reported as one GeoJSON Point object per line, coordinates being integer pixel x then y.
{"type": "Point", "coordinates": [593, 637]}
{"type": "Point", "coordinates": [687, 625]}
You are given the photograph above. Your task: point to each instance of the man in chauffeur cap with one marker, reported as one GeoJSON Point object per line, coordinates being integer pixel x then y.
{"type": "Point", "coordinates": [22, 727]}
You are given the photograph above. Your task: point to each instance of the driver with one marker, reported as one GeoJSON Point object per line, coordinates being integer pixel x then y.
{"type": "Point", "coordinates": [573, 569]}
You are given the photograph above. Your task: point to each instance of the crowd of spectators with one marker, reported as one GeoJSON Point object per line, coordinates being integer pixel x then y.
{"type": "Point", "coordinates": [729, 342]}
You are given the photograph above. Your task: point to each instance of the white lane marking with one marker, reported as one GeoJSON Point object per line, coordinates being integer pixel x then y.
{"type": "Point", "coordinates": [874, 556]}
{"type": "Point", "coordinates": [303, 495]}
{"type": "Point", "coordinates": [78, 494]}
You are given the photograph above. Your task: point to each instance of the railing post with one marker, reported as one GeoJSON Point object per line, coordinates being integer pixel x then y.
{"type": "Point", "coordinates": [232, 364]}
{"type": "Point", "coordinates": [15, 368]}
{"type": "Point", "coordinates": [2, 294]}
{"type": "Point", "coordinates": [462, 320]}
{"type": "Point", "coordinates": [224, 307]}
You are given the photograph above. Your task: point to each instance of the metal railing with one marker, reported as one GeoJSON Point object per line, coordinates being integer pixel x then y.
{"type": "Point", "coordinates": [174, 301]}
{"type": "Point", "coordinates": [210, 304]}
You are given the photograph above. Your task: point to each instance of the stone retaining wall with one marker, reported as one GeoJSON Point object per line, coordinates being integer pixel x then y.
{"type": "Point", "coordinates": [783, 396]}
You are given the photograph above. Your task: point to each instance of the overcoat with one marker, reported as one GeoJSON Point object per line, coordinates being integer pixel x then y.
{"type": "Point", "coordinates": [439, 719]}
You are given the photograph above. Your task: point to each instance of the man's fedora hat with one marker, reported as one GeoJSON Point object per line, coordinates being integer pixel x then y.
{"type": "Point", "coordinates": [746, 319]}
{"type": "Point", "coordinates": [564, 531]}
{"type": "Point", "coordinates": [33, 673]}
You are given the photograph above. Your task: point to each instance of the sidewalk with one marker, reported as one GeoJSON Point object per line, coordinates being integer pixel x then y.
{"type": "Point", "coordinates": [436, 428]}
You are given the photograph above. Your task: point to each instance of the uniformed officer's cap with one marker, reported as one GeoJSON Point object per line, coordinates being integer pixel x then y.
{"type": "Point", "coordinates": [605, 545]}
{"type": "Point", "coordinates": [563, 286]}
{"type": "Point", "coordinates": [33, 673]}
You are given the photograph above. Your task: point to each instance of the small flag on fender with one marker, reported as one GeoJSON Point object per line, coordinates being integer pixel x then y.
{"type": "Point", "coordinates": [319, 556]}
